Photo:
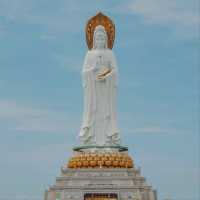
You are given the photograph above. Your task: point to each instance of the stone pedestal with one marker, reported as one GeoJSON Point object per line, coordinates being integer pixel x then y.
{"type": "Point", "coordinates": [88, 183]}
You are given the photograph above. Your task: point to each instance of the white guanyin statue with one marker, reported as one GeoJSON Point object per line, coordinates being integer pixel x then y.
{"type": "Point", "coordinates": [99, 74]}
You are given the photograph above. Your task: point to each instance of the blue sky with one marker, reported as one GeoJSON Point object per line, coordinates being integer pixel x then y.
{"type": "Point", "coordinates": [42, 47]}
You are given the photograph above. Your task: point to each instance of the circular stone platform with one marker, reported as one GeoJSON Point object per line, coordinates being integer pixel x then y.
{"type": "Point", "coordinates": [96, 148]}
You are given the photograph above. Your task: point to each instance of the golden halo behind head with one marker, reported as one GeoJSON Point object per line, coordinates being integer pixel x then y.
{"type": "Point", "coordinates": [100, 19]}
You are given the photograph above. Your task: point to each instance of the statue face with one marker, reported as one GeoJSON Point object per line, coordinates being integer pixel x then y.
{"type": "Point", "coordinates": [100, 40]}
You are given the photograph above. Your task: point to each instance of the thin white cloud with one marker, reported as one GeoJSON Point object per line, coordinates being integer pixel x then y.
{"type": "Point", "coordinates": [161, 11]}
{"type": "Point", "coordinates": [39, 157]}
{"type": "Point", "coordinates": [67, 62]}
{"type": "Point", "coordinates": [154, 130]}
{"type": "Point", "coordinates": [22, 117]}
{"type": "Point", "coordinates": [184, 18]}
{"type": "Point", "coordinates": [69, 16]}
{"type": "Point", "coordinates": [53, 17]}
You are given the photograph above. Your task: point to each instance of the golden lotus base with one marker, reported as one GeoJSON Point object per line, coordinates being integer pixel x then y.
{"type": "Point", "coordinates": [100, 160]}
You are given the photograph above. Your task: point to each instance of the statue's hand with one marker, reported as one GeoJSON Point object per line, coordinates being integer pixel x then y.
{"type": "Point", "coordinates": [101, 77]}
{"type": "Point", "coordinates": [104, 73]}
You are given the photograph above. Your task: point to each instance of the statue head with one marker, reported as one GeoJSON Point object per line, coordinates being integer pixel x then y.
{"type": "Point", "coordinates": [100, 38]}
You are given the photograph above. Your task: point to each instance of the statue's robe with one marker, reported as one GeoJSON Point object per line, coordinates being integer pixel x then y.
{"type": "Point", "coordinates": [99, 125]}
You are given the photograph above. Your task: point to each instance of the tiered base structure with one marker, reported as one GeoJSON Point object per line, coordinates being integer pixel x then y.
{"type": "Point", "coordinates": [96, 173]}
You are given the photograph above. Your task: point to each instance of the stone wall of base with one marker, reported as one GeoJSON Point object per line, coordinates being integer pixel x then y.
{"type": "Point", "coordinates": [74, 184]}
